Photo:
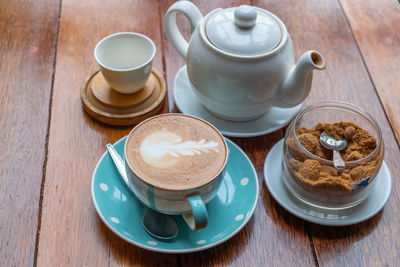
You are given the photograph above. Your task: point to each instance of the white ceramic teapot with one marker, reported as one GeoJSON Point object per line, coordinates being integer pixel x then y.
{"type": "Point", "coordinates": [241, 61]}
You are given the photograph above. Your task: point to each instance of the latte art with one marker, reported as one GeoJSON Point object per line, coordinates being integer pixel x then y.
{"type": "Point", "coordinates": [176, 151]}
{"type": "Point", "coordinates": [162, 149]}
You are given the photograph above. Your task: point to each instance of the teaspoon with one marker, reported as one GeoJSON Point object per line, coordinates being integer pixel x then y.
{"type": "Point", "coordinates": [335, 145]}
{"type": "Point", "coordinates": [157, 224]}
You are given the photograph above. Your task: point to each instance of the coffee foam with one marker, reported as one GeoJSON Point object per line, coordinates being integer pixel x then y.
{"type": "Point", "coordinates": [165, 149]}
{"type": "Point", "coordinates": [176, 151]}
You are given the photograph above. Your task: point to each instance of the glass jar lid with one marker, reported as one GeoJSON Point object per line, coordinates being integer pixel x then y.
{"type": "Point", "coordinates": [243, 30]}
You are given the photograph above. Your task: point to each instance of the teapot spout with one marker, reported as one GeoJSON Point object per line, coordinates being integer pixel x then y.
{"type": "Point", "coordinates": [296, 86]}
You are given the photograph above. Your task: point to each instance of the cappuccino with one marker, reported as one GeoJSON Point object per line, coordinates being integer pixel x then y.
{"type": "Point", "coordinates": [176, 151]}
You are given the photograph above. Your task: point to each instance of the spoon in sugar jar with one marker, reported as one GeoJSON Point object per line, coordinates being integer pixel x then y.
{"type": "Point", "coordinates": [157, 224]}
{"type": "Point", "coordinates": [336, 145]}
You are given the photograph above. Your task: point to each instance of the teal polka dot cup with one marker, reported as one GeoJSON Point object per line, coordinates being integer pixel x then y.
{"type": "Point", "coordinates": [180, 146]}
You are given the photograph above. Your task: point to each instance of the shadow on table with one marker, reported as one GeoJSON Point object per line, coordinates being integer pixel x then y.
{"type": "Point", "coordinates": [224, 254]}
{"type": "Point", "coordinates": [279, 215]}
{"type": "Point", "coordinates": [125, 253]}
{"type": "Point", "coordinates": [329, 239]}
{"type": "Point", "coordinates": [345, 235]}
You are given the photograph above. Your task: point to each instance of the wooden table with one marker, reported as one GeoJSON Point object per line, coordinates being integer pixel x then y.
{"type": "Point", "coordinates": [50, 146]}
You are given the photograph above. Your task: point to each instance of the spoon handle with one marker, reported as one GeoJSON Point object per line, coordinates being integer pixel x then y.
{"type": "Point", "coordinates": [338, 161]}
{"type": "Point", "coordinates": [119, 163]}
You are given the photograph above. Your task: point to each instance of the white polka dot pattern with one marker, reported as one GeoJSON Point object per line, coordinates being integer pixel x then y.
{"type": "Point", "coordinates": [239, 217]}
{"type": "Point", "coordinates": [103, 187]}
{"type": "Point", "coordinates": [115, 220]}
{"type": "Point", "coordinates": [244, 181]}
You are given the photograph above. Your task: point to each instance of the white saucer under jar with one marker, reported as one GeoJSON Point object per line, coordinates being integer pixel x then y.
{"type": "Point", "coordinates": [329, 193]}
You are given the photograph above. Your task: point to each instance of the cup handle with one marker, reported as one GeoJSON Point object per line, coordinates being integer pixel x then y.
{"type": "Point", "coordinates": [198, 218]}
{"type": "Point", "coordinates": [192, 13]}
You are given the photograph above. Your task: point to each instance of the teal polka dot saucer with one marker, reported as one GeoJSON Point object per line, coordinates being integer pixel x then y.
{"type": "Point", "coordinates": [228, 212]}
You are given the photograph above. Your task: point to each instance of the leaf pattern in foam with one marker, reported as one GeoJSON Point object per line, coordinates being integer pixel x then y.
{"type": "Point", "coordinates": [179, 147]}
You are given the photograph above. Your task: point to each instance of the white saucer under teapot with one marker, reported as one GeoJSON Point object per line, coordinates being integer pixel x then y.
{"type": "Point", "coordinates": [241, 60]}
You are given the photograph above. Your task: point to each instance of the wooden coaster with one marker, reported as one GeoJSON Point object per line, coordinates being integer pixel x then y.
{"type": "Point", "coordinates": [104, 93]}
{"type": "Point", "coordinates": [105, 105]}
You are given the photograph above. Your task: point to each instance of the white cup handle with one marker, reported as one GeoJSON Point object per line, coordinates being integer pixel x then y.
{"type": "Point", "coordinates": [192, 13]}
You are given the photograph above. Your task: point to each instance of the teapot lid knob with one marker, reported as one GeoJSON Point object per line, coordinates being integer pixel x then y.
{"type": "Point", "coordinates": [244, 30]}
{"type": "Point", "coordinates": [245, 16]}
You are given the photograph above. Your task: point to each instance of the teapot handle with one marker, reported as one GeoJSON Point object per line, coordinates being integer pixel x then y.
{"type": "Point", "coordinates": [192, 13]}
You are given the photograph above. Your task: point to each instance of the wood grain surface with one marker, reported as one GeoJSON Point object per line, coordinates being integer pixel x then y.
{"type": "Point", "coordinates": [376, 28]}
{"type": "Point", "coordinates": [320, 25]}
{"type": "Point", "coordinates": [27, 50]}
{"type": "Point", "coordinates": [272, 232]}
{"type": "Point", "coordinates": [71, 232]}
{"type": "Point", "coordinates": [358, 39]}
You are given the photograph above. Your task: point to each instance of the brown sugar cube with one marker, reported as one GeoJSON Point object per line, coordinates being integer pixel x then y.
{"type": "Point", "coordinates": [310, 169]}
{"type": "Point", "coordinates": [324, 175]}
{"type": "Point", "coordinates": [324, 153]}
{"type": "Point", "coordinates": [338, 127]}
{"type": "Point", "coordinates": [295, 150]}
{"type": "Point", "coordinates": [295, 164]}
{"type": "Point", "coordinates": [309, 141]}
{"type": "Point", "coordinates": [368, 143]}
{"type": "Point", "coordinates": [329, 170]}
{"type": "Point", "coordinates": [359, 173]}
{"type": "Point", "coordinates": [352, 147]}
{"type": "Point", "coordinates": [355, 155]}
{"type": "Point", "coordinates": [333, 130]}
{"type": "Point", "coordinates": [349, 132]}
{"type": "Point", "coordinates": [292, 145]}
{"type": "Point", "coordinates": [345, 176]}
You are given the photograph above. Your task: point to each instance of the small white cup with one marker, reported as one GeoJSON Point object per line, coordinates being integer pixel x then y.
{"type": "Point", "coordinates": [125, 60]}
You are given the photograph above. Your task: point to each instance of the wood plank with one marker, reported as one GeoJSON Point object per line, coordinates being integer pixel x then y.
{"type": "Point", "coordinates": [27, 46]}
{"type": "Point", "coordinates": [321, 25]}
{"type": "Point", "coordinates": [376, 28]}
{"type": "Point", "coordinates": [272, 235]}
{"type": "Point", "coordinates": [71, 232]}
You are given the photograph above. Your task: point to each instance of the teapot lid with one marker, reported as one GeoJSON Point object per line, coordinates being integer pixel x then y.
{"type": "Point", "coordinates": [243, 30]}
